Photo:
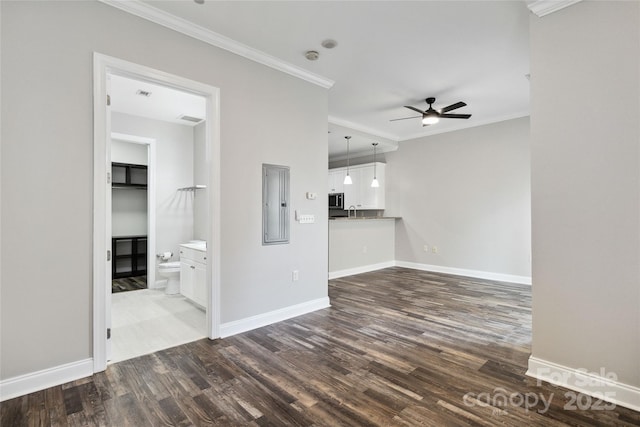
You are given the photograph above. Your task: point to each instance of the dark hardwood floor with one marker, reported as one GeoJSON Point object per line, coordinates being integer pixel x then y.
{"type": "Point", "coordinates": [398, 348]}
{"type": "Point", "coordinates": [126, 284]}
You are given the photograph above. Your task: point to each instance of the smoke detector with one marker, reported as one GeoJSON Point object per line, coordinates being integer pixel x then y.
{"type": "Point", "coordinates": [312, 55]}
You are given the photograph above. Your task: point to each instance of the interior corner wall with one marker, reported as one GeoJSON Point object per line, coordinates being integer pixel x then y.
{"type": "Point", "coordinates": [585, 110]}
{"type": "Point", "coordinates": [466, 193]}
{"type": "Point", "coordinates": [47, 173]}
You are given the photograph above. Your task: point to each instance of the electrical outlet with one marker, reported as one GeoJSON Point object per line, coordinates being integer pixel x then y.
{"type": "Point", "coordinates": [435, 249]}
{"type": "Point", "coordinates": [364, 249]}
{"type": "Point", "coordinates": [426, 248]}
{"type": "Point", "coordinates": [295, 275]}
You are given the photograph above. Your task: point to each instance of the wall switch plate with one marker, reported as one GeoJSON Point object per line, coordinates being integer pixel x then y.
{"type": "Point", "coordinates": [306, 219]}
{"type": "Point", "coordinates": [425, 248]}
{"type": "Point", "coordinates": [434, 249]}
{"type": "Point", "coordinates": [312, 196]}
{"type": "Point", "coordinates": [295, 276]}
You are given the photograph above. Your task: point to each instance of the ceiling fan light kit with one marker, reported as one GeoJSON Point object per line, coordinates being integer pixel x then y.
{"type": "Point", "coordinates": [430, 119]}
{"type": "Point", "coordinates": [431, 116]}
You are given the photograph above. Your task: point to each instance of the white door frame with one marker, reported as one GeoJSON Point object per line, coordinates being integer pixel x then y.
{"type": "Point", "coordinates": [103, 66]}
{"type": "Point", "coordinates": [151, 199]}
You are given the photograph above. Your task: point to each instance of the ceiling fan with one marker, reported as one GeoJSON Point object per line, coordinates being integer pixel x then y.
{"type": "Point", "coordinates": [431, 116]}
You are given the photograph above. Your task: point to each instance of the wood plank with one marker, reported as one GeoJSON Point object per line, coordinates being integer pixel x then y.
{"type": "Point", "coordinates": [398, 347]}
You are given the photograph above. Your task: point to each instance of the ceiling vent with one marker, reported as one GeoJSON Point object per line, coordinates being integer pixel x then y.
{"type": "Point", "coordinates": [143, 93]}
{"type": "Point", "coordinates": [191, 119]}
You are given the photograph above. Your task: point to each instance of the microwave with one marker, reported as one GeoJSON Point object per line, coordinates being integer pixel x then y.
{"type": "Point", "coordinates": [336, 201]}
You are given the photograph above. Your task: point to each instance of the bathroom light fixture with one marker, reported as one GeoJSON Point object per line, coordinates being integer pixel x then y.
{"type": "Point", "coordinates": [347, 179]}
{"type": "Point", "coordinates": [374, 183]}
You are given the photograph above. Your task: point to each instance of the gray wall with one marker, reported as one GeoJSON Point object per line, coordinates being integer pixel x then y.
{"type": "Point", "coordinates": [174, 169]}
{"type": "Point", "coordinates": [47, 134]}
{"type": "Point", "coordinates": [466, 192]}
{"type": "Point", "coordinates": [585, 206]}
{"type": "Point", "coordinates": [354, 244]}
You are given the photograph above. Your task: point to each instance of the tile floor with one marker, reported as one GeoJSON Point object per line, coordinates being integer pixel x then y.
{"type": "Point", "coordinates": [147, 320]}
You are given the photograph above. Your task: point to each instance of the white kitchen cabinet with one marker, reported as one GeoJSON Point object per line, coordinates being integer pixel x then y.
{"type": "Point", "coordinates": [360, 194]}
{"type": "Point", "coordinates": [193, 270]}
{"type": "Point", "coordinates": [336, 180]}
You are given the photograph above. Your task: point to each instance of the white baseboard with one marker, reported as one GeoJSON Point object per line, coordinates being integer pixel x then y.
{"type": "Point", "coordinates": [243, 325]}
{"type": "Point", "coordinates": [591, 383]}
{"type": "Point", "coordinates": [523, 280]}
{"type": "Point", "coordinates": [363, 269]}
{"type": "Point", "coordinates": [36, 381]}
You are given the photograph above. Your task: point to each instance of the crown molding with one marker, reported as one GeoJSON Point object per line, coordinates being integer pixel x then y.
{"type": "Point", "coordinates": [355, 126]}
{"type": "Point", "coordinates": [468, 125]}
{"type": "Point", "coordinates": [544, 7]}
{"type": "Point", "coordinates": [160, 17]}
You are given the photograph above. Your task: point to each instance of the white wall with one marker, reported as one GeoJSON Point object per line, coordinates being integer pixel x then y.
{"type": "Point", "coordinates": [47, 147]}
{"type": "Point", "coordinates": [129, 152]}
{"type": "Point", "coordinates": [128, 206]}
{"type": "Point", "coordinates": [174, 169]}
{"type": "Point", "coordinates": [200, 206]}
{"type": "Point", "coordinates": [585, 110]}
{"type": "Point", "coordinates": [468, 194]}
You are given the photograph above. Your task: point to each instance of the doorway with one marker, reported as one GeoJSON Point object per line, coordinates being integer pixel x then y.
{"type": "Point", "coordinates": [104, 68]}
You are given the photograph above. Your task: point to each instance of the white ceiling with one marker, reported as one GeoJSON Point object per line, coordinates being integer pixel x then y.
{"type": "Point", "coordinates": [389, 54]}
{"type": "Point", "coordinates": [164, 103]}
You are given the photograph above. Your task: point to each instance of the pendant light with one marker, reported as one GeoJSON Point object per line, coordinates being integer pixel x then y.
{"type": "Point", "coordinates": [374, 183]}
{"type": "Point", "coordinates": [347, 179]}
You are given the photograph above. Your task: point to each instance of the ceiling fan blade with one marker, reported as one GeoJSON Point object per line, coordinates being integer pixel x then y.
{"type": "Point", "coordinates": [455, 116]}
{"type": "Point", "coordinates": [404, 118]}
{"type": "Point", "coordinates": [414, 109]}
{"type": "Point", "coordinates": [453, 107]}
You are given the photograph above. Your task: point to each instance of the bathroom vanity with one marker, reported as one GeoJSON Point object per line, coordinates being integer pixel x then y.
{"type": "Point", "coordinates": [193, 271]}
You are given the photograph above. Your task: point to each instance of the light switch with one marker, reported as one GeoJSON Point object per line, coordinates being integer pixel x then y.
{"type": "Point", "coordinates": [306, 219]}
{"type": "Point", "coordinates": [311, 196]}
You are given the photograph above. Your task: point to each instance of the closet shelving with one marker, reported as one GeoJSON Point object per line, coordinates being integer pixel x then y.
{"type": "Point", "coordinates": [129, 256]}
{"type": "Point", "coordinates": [128, 176]}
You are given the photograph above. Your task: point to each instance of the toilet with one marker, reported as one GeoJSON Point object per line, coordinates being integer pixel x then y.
{"type": "Point", "coordinates": [171, 270]}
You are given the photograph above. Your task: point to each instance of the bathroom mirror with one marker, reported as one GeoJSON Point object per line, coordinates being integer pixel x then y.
{"type": "Point", "coordinates": [275, 204]}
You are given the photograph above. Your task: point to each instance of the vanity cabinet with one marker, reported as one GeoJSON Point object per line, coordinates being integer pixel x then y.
{"type": "Point", "coordinates": [193, 272]}
{"type": "Point", "coordinates": [360, 194]}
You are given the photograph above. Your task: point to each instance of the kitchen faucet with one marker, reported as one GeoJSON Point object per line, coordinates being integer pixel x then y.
{"type": "Point", "coordinates": [355, 212]}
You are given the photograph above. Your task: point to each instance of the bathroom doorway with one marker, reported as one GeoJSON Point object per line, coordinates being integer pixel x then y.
{"type": "Point", "coordinates": [197, 196]}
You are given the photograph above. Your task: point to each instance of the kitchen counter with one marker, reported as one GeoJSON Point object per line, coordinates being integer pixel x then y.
{"type": "Point", "coordinates": [359, 218]}
{"type": "Point", "coordinates": [360, 244]}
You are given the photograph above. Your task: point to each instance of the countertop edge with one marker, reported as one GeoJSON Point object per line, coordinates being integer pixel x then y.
{"type": "Point", "coordinates": [364, 218]}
